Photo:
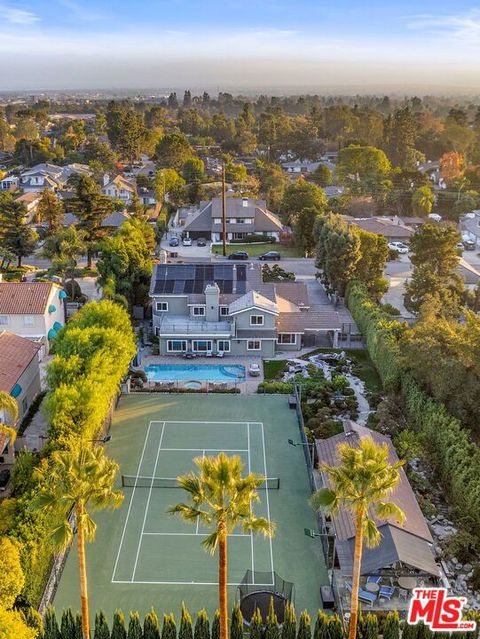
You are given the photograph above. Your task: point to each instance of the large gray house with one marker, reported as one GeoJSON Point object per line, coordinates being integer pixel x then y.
{"type": "Point", "coordinates": [245, 216]}
{"type": "Point", "coordinates": [228, 309]}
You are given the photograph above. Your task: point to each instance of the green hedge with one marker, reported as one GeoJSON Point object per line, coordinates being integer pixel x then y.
{"type": "Point", "coordinates": [382, 334]}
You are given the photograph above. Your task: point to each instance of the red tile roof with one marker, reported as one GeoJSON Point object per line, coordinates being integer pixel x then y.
{"type": "Point", "coordinates": [16, 353]}
{"type": "Point", "coordinates": [24, 298]}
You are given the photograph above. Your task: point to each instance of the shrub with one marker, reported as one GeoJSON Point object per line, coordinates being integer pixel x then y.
{"type": "Point", "coordinates": [118, 626]}
{"type": "Point", "coordinates": [101, 627]}
{"type": "Point", "coordinates": [216, 625]}
{"type": "Point", "coordinates": [134, 627]}
{"type": "Point", "coordinates": [272, 388]}
{"type": "Point", "coordinates": [151, 626]}
{"type": "Point", "coordinates": [236, 623]}
{"type": "Point", "coordinates": [304, 626]}
{"type": "Point", "coordinates": [272, 630]}
{"type": "Point", "coordinates": [391, 628]}
{"type": "Point", "coordinates": [169, 628]}
{"type": "Point", "coordinates": [202, 626]}
{"type": "Point", "coordinates": [289, 626]}
{"type": "Point", "coordinates": [67, 625]}
{"type": "Point", "coordinates": [185, 630]}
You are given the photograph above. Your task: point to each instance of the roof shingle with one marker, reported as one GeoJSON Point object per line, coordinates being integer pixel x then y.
{"type": "Point", "coordinates": [24, 298]}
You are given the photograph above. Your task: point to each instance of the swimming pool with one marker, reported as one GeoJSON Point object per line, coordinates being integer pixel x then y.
{"type": "Point", "coordinates": [201, 372]}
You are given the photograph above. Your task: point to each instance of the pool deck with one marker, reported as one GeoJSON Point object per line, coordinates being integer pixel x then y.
{"type": "Point", "coordinates": [248, 387]}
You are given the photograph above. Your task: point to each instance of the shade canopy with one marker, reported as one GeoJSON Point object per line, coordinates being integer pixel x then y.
{"type": "Point", "coordinates": [52, 308]}
{"type": "Point", "coordinates": [57, 326]}
{"type": "Point", "coordinates": [52, 333]}
{"type": "Point", "coordinates": [62, 295]}
{"type": "Point", "coordinates": [16, 390]}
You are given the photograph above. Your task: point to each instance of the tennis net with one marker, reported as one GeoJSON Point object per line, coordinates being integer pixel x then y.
{"type": "Point", "coordinates": [133, 481]}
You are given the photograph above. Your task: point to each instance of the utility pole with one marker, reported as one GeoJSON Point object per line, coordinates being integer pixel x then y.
{"type": "Point", "coordinates": [224, 212]}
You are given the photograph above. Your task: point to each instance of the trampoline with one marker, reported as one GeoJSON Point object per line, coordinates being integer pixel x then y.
{"type": "Point", "coordinates": [257, 589]}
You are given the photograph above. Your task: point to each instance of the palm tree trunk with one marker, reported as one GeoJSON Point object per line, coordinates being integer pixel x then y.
{"type": "Point", "coordinates": [82, 567]}
{"type": "Point", "coordinates": [357, 562]}
{"type": "Point", "coordinates": [222, 582]}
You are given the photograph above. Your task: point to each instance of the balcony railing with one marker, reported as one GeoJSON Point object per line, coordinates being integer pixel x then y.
{"type": "Point", "coordinates": [172, 325]}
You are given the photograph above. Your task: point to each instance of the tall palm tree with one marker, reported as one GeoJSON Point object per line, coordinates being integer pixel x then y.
{"type": "Point", "coordinates": [222, 499]}
{"type": "Point", "coordinates": [8, 406]}
{"type": "Point", "coordinates": [80, 481]}
{"type": "Point", "coordinates": [361, 484]}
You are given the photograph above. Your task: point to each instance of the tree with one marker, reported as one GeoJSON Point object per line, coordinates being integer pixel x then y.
{"type": "Point", "coordinates": [169, 182]}
{"type": "Point", "coordinates": [13, 626]}
{"type": "Point", "coordinates": [81, 480]}
{"type": "Point", "coordinates": [202, 625]}
{"type": "Point", "coordinates": [9, 408]}
{"type": "Point", "coordinates": [304, 626]}
{"type": "Point", "coordinates": [91, 208]}
{"type": "Point", "coordinates": [303, 195]}
{"type": "Point", "coordinates": [99, 155]}
{"type": "Point", "coordinates": [151, 626]}
{"type": "Point", "coordinates": [422, 201]}
{"type": "Point", "coordinates": [169, 628]}
{"type": "Point", "coordinates": [322, 176]}
{"type": "Point", "coordinates": [391, 629]}
{"type": "Point", "coordinates": [193, 169]}
{"type": "Point", "coordinates": [373, 257]}
{"type": "Point", "coordinates": [15, 234]}
{"type": "Point", "coordinates": [67, 625]}
{"type": "Point", "coordinates": [273, 182]}
{"type": "Point", "coordinates": [50, 624]}
{"type": "Point", "coordinates": [50, 210]}
{"type": "Point", "coordinates": [361, 484]}
{"type": "Point", "coordinates": [452, 165]}
{"type": "Point", "coordinates": [400, 137]}
{"type": "Point", "coordinates": [236, 623]}
{"type": "Point", "coordinates": [362, 168]}
{"type": "Point", "coordinates": [321, 626]}
{"type": "Point", "coordinates": [256, 625]}
{"type": "Point", "coordinates": [272, 631]}
{"type": "Point", "coordinates": [186, 630]}
{"type": "Point", "coordinates": [216, 625]}
{"type": "Point", "coordinates": [303, 230]}
{"type": "Point", "coordinates": [64, 249]}
{"type": "Point", "coordinates": [173, 151]}
{"type": "Point", "coordinates": [126, 130]}
{"type": "Point", "coordinates": [289, 626]}
{"type": "Point", "coordinates": [102, 630]}
{"type": "Point", "coordinates": [12, 578]}
{"type": "Point", "coordinates": [134, 626]}
{"type": "Point", "coordinates": [222, 498]}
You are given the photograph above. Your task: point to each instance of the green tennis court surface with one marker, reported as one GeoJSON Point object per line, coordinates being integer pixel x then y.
{"type": "Point", "coordinates": [143, 556]}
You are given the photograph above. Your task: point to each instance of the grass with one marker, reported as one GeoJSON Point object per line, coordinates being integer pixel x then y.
{"type": "Point", "coordinates": [274, 369]}
{"type": "Point", "coordinates": [254, 250]}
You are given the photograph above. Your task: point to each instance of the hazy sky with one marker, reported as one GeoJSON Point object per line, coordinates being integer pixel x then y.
{"type": "Point", "coordinates": [283, 44]}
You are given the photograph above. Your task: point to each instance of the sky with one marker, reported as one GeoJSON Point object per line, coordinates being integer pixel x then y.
{"type": "Point", "coordinates": [425, 46]}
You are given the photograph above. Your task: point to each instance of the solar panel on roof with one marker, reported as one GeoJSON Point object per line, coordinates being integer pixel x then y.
{"type": "Point", "coordinates": [209, 273]}
{"type": "Point", "coordinates": [241, 273]}
{"type": "Point", "coordinates": [159, 287]}
{"type": "Point", "coordinates": [241, 287]}
{"type": "Point", "coordinates": [169, 286]}
{"type": "Point", "coordinates": [179, 286]}
{"type": "Point", "coordinates": [199, 286]}
{"type": "Point", "coordinates": [228, 286]}
{"type": "Point", "coordinates": [188, 286]}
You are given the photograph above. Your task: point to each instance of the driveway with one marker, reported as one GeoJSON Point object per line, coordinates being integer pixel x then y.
{"type": "Point", "coordinates": [398, 272]}
{"type": "Point", "coordinates": [193, 251]}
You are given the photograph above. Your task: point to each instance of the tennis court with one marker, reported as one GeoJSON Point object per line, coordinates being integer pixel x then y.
{"type": "Point", "coordinates": [143, 556]}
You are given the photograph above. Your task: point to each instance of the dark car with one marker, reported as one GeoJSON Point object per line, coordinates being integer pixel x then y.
{"type": "Point", "coordinates": [470, 245]}
{"type": "Point", "coordinates": [270, 255]}
{"type": "Point", "coordinates": [174, 241]}
{"type": "Point", "coordinates": [201, 241]}
{"type": "Point", "coordinates": [4, 478]}
{"type": "Point", "coordinates": [238, 255]}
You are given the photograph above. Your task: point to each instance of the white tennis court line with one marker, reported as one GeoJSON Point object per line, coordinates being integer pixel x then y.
{"type": "Point", "coordinates": [249, 471]}
{"type": "Point", "coordinates": [195, 534]}
{"type": "Point", "coordinates": [148, 502]}
{"type": "Point", "coordinates": [213, 450]}
{"type": "Point", "coordinates": [268, 500]}
{"type": "Point", "coordinates": [183, 583]}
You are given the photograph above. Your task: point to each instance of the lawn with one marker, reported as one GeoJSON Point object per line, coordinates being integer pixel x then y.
{"type": "Point", "coordinates": [254, 250]}
{"type": "Point", "coordinates": [274, 368]}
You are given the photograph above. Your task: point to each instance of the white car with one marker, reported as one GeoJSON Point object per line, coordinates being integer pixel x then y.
{"type": "Point", "coordinates": [400, 247]}
{"type": "Point", "coordinates": [187, 241]}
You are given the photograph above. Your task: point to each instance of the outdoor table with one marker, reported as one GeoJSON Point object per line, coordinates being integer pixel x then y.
{"type": "Point", "coordinates": [371, 586]}
{"type": "Point", "coordinates": [408, 583]}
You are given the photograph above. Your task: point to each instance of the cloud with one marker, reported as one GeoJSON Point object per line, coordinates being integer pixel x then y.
{"type": "Point", "coordinates": [463, 28]}
{"type": "Point", "coordinates": [13, 15]}
{"type": "Point", "coordinates": [80, 12]}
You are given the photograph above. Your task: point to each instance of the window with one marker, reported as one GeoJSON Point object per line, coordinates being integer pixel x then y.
{"type": "Point", "coordinates": [28, 320]}
{"type": "Point", "coordinates": [256, 320]}
{"type": "Point", "coordinates": [254, 345]}
{"type": "Point", "coordinates": [240, 220]}
{"type": "Point", "coordinates": [162, 306]}
{"type": "Point", "coordinates": [198, 310]}
{"type": "Point", "coordinates": [223, 310]}
{"type": "Point", "coordinates": [176, 346]}
{"type": "Point", "coordinates": [287, 338]}
{"type": "Point", "coordinates": [217, 220]}
{"type": "Point", "coordinates": [3, 320]}
{"type": "Point", "coordinates": [223, 345]}
{"type": "Point", "coordinates": [201, 345]}
{"type": "Point", "coordinates": [24, 405]}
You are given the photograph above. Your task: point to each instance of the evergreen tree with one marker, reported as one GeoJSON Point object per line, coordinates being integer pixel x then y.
{"type": "Point", "coordinates": [78, 626]}
{"type": "Point", "coordinates": [304, 626]}
{"type": "Point", "coordinates": [256, 625]}
{"type": "Point", "coordinates": [134, 626]}
{"type": "Point", "coordinates": [370, 627]}
{"type": "Point", "coordinates": [236, 623]}
{"type": "Point", "coordinates": [202, 626]}
{"type": "Point", "coordinates": [102, 630]}
{"type": "Point", "coordinates": [321, 626]}
{"type": "Point", "coordinates": [423, 631]}
{"type": "Point", "coordinates": [151, 626]}
{"type": "Point", "coordinates": [272, 630]}
{"type": "Point", "coordinates": [335, 628]}
{"type": "Point", "coordinates": [216, 625]}
{"type": "Point", "coordinates": [169, 629]}
{"type": "Point", "coordinates": [289, 627]}
{"type": "Point", "coordinates": [409, 631]}
{"type": "Point", "coordinates": [118, 626]}
{"type": "Point", "coordinates": [67, 624]}
{"type": "Point", "coordinates": [391, 629]}
{"type": "Point", "coordinates": [50, 210]}
{"type": "Point", "coordinates": [185, 631]}
{"type": "Point", "coordinates": [16, 236]}
{"type": "Point", "coordinates": [33, 619]}
{"type": "Point", "coordinates": [50, 624]}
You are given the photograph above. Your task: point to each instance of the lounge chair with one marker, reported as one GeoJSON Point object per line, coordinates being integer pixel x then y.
{"type": "Point", "coordinates": [374, 579]}
{"type": "Point", "coordinates": [386, 592]}
{"type": "Point", "coordinates": [363, 595]}
{"type": "Point", "coordinates": [220, 353]}
{"type": "Point", "coordinates": [209, 354]}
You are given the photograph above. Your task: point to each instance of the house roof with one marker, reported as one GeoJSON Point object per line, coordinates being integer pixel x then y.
{"type": "Point", "coordinates": [252, 299]}
{"type": "Point", "coordinates": [122, 183]}
{"type": "Point", "coordinates": [116, 219]}
{"type": "Point", "coordinates": [301, 321]}
{"type": "Point", "coordinates": [403, 494]}
{"type": "Point", "coordinates": [264, 220]}
{"type": "Point", "coordinates": [382, 227]}
{"type": "Point", "coordinates": [27, 198]}
{"type": "Point", "coordinates": [295, 292]}
{"type": "Point", "coordinates": [16, 353]}
{"type": "Point", "coordinates": [24, 298]}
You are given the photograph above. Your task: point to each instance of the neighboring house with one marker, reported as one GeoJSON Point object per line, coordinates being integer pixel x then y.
{"type": "Point", "coordinates": [34, 310]}
{"type": "Point", "coordinates": [245, 216]}
{"type": "Point", "coordinates": [210, 308]}
{"type": "Point", "coordinates": [470, 226]}
{"type": "Point", "coordinates": [146, 196]}
{"type": "Point", "coordinates": [116, 219]}
{"type": "Point", "coordinates": [50, 176]}
{"type": "Point", "coordinates": [30, 200]}
{"type": "Point", "coordinates": [394, 231]}
{"type": "Point", "coordinates": [9, 183]}
{"type": "Point", "coordinates": [403, 550]}
{"type": "Point", "coordinates": [119, 188]}
{"type": "Point", "coordinates": [304, 167]}
{"type": "Point", "coordinates": [20, 377]}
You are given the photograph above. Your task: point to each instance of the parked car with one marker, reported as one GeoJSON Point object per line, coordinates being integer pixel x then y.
{"type": "Point", "coordinates": [4, 478]}
{"type": "Point", "coordinates": [270, 255]}
{"type": "Point", "coordinates": [187, 241]}
{"type": "Point", "coordinates": [469, 245]}
{"type": "Point", "coordinates": [174, 241]}
{"type": "Point", "coordinates": [400, 247]}
{"type": "Point", "coordinates": [201, 241]}
{"type": "Point", "coordinates": [238, 255]}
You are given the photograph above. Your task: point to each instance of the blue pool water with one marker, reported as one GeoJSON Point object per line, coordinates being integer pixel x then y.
{"type": "Point", "coordinates": [201, 372]}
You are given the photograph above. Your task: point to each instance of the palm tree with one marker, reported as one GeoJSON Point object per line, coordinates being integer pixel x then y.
{"type": "Point", "coordinates": [8, 406]}
{"type": "Point", "coordinates": [222, 499]}
{"type": "Point", "coordinates": [79, 481]}
{"type": "Point", "coordinates": [361, 484]}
